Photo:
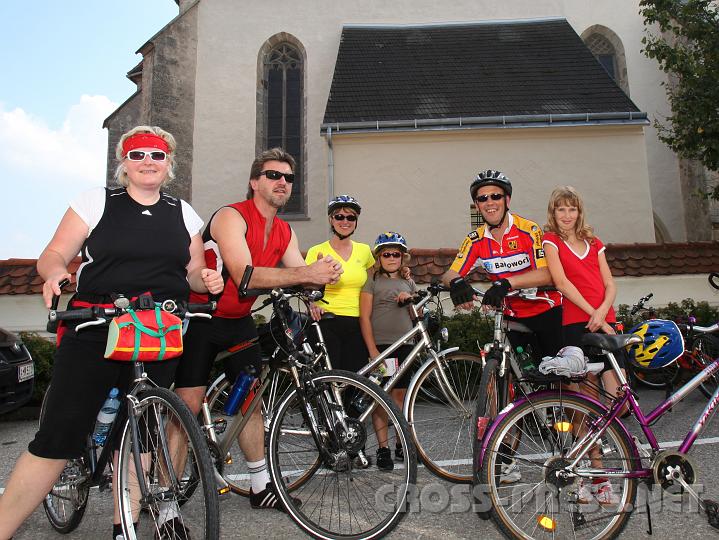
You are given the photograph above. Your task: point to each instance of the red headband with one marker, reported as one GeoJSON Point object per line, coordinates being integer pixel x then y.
{"type": "Point", "coordinates": [144, 140]}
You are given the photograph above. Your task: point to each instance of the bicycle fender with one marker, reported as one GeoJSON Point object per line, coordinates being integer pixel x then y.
{"type": "Point", "coordinates": [448, 350]}
{"type": "Point", "coordinates": [538, 395]}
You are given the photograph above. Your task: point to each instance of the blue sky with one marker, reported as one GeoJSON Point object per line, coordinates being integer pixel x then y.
{"type": "Point", "coordinates": [64, 65]}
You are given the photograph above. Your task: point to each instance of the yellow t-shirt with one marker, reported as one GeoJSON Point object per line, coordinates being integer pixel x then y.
{"type": "Point", "coordinates": [343, 297]}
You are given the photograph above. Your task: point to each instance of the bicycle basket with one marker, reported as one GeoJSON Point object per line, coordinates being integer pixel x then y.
{"type": "Point", "coordinates": [663, 344]}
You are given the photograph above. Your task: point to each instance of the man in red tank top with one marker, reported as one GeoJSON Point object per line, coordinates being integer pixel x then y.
{"type": "Point", "coordinates": [238, 236]}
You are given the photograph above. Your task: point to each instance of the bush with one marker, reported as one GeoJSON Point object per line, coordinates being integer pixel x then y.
{"type": "Point", "coordinates": [42, 351]}
{"type": "Point", "coordinates": [705, 314]}
{"type": "Point", "coordinates": [469, 331]}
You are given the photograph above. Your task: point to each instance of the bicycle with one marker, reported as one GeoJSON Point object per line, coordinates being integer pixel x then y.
{"type": "Point", "coordinates": [317, 440]}
{"type": "Point", "coordinates": [551, 433]}
{"type": "Point", "coordinates": [149, 416]}
{"type": "Point", "coordinates": [273, 381]}
{"type": "Point", "coordinates": [441, 393]}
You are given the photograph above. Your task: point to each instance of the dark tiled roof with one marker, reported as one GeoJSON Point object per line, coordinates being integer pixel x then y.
{"type": "Point", "coordinates": [468, 70]}
{"type": "Point", "coordinates": [19, 276]}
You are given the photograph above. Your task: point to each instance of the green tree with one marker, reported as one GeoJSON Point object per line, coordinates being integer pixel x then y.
{"type": "Point", "coordinates": [687, 48]}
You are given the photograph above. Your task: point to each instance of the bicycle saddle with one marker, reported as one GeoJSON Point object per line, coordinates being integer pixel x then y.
{"type": "Point", "coordinates": [610, 342]}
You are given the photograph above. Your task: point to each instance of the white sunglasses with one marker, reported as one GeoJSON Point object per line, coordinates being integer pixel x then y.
{"type": "Point", "coordinates": [139, 155]}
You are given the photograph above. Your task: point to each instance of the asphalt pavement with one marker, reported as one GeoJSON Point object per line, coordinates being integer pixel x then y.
{"type": "Point", "coordinates": [441, 509]}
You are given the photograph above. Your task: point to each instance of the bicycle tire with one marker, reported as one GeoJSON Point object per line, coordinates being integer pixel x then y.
{"type": "Point", "coordinates": [442, 429]}
{"type": "Point", "coordinates": [536, 453]}
{"type": "Point", "coordinates": [341, 500]}
{"type": "Point", "coordinates": [66, 503]}
{"type": "Point", "coordinates": [166, 427]}
{"type": "Point", "coordinates": [234, 467]}
{"type": "Point", "coordinates": [704, 348]}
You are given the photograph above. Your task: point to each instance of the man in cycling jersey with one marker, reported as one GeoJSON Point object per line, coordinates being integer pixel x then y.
{"type": "Point", "coordinates": [509, 249]}
{"type": "Point", "coordinates": [248, 237]}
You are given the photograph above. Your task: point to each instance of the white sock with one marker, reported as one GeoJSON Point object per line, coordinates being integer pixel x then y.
{"type": "Point", "coordinates": [167, 510]}
{"type": "Point", "coordinates": [259, 477]}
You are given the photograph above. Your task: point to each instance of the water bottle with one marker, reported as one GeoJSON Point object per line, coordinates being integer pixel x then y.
{"type": "Point", "coordinates": [237, 396]}
{"type": "Point", "coordinates": [362, 401]}
{"type": "Point", "coordinates": [526, 363]}
{"type": "Point", "coordinates": [106, 417]}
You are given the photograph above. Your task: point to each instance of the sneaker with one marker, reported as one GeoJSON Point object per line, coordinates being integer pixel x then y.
{"type": "Point", "coordinates": [605, 494]}
{"type": "Point", "coordinates": [510, 473]}
{"type": "Point", "coordinates": [172, 529]}
{"type": "Point", "coordinates": [398, 453]}
{"type": "Point", "coordinates": [268, 499]}
{"type": "Point", "coordinates": [384, 459]}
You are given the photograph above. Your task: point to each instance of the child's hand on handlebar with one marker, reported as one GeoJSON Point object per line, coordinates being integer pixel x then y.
{"type": "Point", "coordinates": [403, 296]}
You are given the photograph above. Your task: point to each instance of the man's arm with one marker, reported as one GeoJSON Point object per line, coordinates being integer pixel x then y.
{"type": "Point", "coordinates": [229, 228]}
{"type": "Point", "coordinates": [534, 278]}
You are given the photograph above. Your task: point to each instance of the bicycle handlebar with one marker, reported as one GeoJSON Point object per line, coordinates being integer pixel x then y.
{"type": "Point", "coordinates": [640, 304]}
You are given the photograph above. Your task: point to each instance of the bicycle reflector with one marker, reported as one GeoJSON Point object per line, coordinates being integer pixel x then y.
{"type": "Point", "coordinates": [563, 427]}
{"type": "Point", "coordinates": [547, 523]}
{"type": "Point", "coordinates": [663, 344]}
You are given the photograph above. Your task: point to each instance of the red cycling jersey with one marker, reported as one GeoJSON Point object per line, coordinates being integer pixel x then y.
{"type": "Point", "coordinates": [230, 305]}
{"type": "Point", "coordinates": [520, 251]}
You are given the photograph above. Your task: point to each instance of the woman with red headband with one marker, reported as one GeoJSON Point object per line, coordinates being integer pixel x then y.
{"type": "Point", "coordinates": [132, 239]}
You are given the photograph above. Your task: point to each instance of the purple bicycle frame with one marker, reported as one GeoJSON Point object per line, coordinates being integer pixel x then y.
{"type": "Point", "coordinates": [644, 420]}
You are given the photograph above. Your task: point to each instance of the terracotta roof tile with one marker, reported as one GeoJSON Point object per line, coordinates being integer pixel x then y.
{"type": "Point", "coordinates": [19, 276]}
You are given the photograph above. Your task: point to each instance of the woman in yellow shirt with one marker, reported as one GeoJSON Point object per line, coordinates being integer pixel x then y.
{"type": "Point", "coordinates": [342, 332]}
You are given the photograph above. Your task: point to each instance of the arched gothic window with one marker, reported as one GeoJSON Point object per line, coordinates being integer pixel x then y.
{"type": "Point", "coordinates": [607, 48]}
{"type": "Point", "coordinates": [282, 111]}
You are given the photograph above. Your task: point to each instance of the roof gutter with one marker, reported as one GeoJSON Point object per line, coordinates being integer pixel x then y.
{"type": "Point", "coordinates": [489, 122]}
{"type": "Point", "coordinates": [330, 164]}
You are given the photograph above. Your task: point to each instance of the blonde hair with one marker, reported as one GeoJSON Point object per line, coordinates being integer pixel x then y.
{"type": "Point", "coordinates": [377, 267]}
{"type": "Point", "coordinates": [567, 196]}
{"type": "Point", "coordinates": [121, 174]}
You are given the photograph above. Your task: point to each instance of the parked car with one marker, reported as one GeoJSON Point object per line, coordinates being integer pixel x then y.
{"type": "Point", "coordinates": [17, 372]}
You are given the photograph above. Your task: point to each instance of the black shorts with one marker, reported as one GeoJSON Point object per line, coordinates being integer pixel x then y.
{"type": "Point", "coordinates": [81, 381]}
{"type": "Point", "coordinates": [573, 336]}
{"type": "Point", "coordinates": [400, 354]}
{"type": "Point", "coordinates": [345, 343]}
{"type": "Point", "coordinates": [546, 337]}
{"type": "Point", "coordinates": [207, 337]}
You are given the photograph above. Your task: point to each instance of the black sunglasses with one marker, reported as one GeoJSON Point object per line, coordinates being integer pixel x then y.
{"type": "Point", "coordinates": [391, 254]}
{"type": "Point", "coordinates": [493, 196]}
{"type": "Point", "coordinates": [276, 175]}
{"type": "Point", "coordinates": [342, 217]}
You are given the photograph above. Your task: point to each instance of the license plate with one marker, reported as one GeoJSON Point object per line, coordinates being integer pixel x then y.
{"type": "Point", "coordinates": [25, 372]}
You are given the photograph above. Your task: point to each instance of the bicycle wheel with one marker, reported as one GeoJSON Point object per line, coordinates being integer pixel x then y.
{"type": "Point", "coordinates": [704, 349]}
{"type": "Point", "coordinates": [442, 425]}
{"type": "Point", "coordinates": [537, 502]}
{"type": "Point", "coordinates": [342, 499]}
{"type": "Point", "coordinates": [175, 461]}
{"type": "Point", "coordinates": [234, 466]}
{"type": "Point", "coordinates": [66, 503]}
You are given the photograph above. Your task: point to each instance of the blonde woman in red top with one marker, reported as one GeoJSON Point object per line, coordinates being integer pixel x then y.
{"type": "Point", "coordinates": [579, 269]}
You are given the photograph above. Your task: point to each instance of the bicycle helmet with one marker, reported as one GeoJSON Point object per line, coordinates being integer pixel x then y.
{"type": "Point", "coordinates": [490, 178]}
{"type": "Point", "coordinates": [387, 239]}
{"type": "Point", "coordinates": [663, 344]}
{"type": "Point", "coordinates": [343, 201]}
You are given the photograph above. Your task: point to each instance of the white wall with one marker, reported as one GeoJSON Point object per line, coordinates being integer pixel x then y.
{"type": "Point", "coordinates": [230, 36]}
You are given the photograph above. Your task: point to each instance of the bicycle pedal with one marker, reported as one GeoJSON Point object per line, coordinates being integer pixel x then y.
{"type": "Point", "coordinates": [220, 425]}
{"type": "Point", "coordinates": [712, 510]}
